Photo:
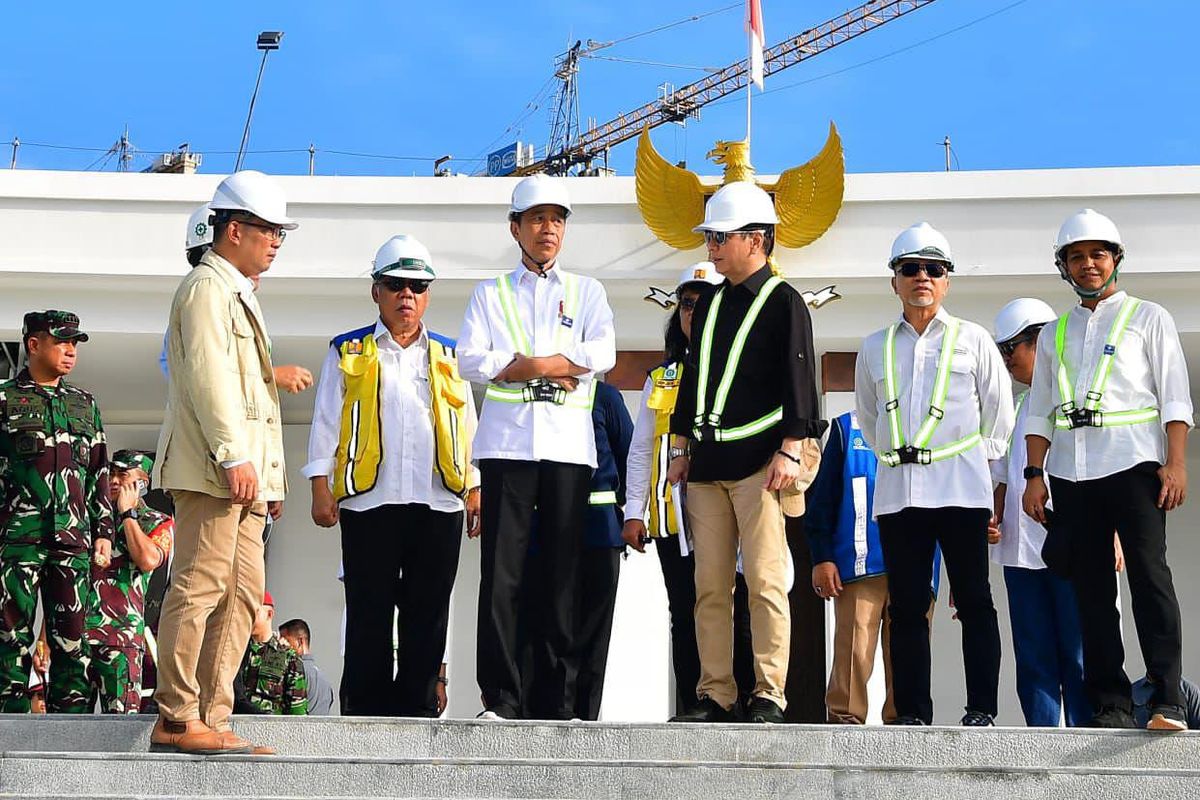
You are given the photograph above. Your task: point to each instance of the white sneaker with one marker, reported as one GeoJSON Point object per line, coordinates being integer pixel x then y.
{"type": "Point", "coordinates": [489, 716]}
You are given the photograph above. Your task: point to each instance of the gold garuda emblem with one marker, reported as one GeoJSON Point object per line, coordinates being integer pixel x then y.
{"type": "Point", "coordinates": [807, 198]}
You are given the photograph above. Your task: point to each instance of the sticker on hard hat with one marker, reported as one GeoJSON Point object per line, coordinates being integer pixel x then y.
{"type": "Point", "coordinates": [699, 274]}
{"type": "Point", "coordinates": [201, 229]}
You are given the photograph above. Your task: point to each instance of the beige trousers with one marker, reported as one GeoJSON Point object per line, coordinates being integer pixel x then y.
{"type": "Point", "coordinates": [722, 514]}
{"type": "Point", "coordinates": [860, 610]}
{"type": "Point", "coordinates": [217, 581]}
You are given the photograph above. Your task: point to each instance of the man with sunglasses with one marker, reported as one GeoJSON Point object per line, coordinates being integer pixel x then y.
{"type": "Point", "coordinates": [389, 459]}
{"type": "Point", "coordinates": [1045, 620]}
{"type": "Point", "coordinates": [221, 459]}
{"type": "Point", "coordinates": [537, 336]}
{"type": "Point", "coordinates": [1112, 406]}
{"type": "Point", "coordinates": [935, 403]}
{"type": "Point", "coordinates": [746, 439]}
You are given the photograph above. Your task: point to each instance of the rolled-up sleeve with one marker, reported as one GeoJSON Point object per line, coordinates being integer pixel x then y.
{"type": "Point", "coordinates": [327, 419]}
{"type": "Point", "coordinates": [994, 386]}
{"type": "Point", "coordinates": [641, 456]}
{"type": "Point", "coordinates": [597, 349]}
{"type": "Point", "coordinates": [479, 357]}
{"type": "Point", "coordinates": [1170, 369]}
{"type": "Point", "coordinates": [1040, 417]}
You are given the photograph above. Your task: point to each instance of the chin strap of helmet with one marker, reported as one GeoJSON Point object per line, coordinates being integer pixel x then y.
{"type": "Point", "coordinates": [541, 265]}
{"type": "Point", "coordinates": [1089, 294]}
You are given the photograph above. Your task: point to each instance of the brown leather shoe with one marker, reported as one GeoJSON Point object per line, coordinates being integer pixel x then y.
{"type": "Point", "coordinates": [231, 739]}
{"type": "Point", "coordinates": [193, 737]}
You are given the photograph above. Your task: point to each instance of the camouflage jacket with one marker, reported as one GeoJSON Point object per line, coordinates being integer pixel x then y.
{"type": "Point", "coordinates": [53, 466]}
{"type": "Point", "coordinates": [116, 611]}
{"type": "Point", "coordinates": [274, 678]}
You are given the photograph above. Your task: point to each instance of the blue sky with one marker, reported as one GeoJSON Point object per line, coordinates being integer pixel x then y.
{"type": "Point", "coordinates": [1039, 83]}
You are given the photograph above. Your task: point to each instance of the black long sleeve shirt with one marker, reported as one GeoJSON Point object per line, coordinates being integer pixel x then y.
{"type": "Point", "coordinates": [776, 368]}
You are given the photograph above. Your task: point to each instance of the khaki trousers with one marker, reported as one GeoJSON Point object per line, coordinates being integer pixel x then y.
{"type": "Point", "coordinates": [722, 514]}
{"type": "Point", "coordinates": [860, 610]}
{"type": "Point", "coordinates": [217, 581]}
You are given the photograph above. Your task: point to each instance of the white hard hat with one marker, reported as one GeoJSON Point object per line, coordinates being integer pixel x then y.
{"type": "Point", "coordinates": [701, 272]}
{"type": "Point", "coordinates": [402, 256]}
{"type": "Point", "coordinates": [736, 205]}
{"type": "Point", "coordinates": [540, 190]}
{"type": "Point", "coordinates": [921, 241]}
{"type": "Point", "coordinates": [253, 192]}
{"type": "Point", "coordinates": [199, 231]}
{"type": "Point", "coordinates": [1085, 226]}
{"type": "Point", "coordinates": [1019, 314]}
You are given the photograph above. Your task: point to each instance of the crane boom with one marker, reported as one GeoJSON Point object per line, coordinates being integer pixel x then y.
{"type": "Point", "coordinates": [687, 100]}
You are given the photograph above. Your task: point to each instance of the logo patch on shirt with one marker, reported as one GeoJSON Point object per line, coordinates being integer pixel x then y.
{"type": "Point", "coordinates": [859, 444]}
{"type": "Point", "coordinates": [1110, 349]}
{"type": "Point", "coordinates": [567, 322]}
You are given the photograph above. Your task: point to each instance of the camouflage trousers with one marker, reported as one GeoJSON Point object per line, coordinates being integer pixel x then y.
{"type": "Point", "coordinates": [116, 674]}
{"type": "Point", "coordinates": [64, 580]}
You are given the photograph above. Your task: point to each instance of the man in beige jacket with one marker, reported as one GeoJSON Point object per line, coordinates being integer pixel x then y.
{"type": "Point", "coordinates": [221, 458]}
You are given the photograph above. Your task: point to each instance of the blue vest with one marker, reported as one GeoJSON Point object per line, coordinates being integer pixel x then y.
{"type": "Point", "coordinates": [614, 430]}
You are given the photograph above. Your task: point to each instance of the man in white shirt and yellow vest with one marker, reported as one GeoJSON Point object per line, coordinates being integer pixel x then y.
{"type": "Point", "coordinates": [537, 337]}
{"type": "Point", "coordinates": [1111, 404]}
{"type": "Point", "coordinates": [389, 458]}
{"type": "Point", "coordinates": [935, 403]}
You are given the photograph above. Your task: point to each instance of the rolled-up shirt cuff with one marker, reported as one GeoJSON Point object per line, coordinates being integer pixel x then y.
{"type": "Point", "coordinates": [580, 355]}
{"type": "Point", "coordinates": [995, 448]}
{"type": "Point", "coordinates": [1039, 427]}
{"type": "Point", "coordinates": [317, 467]}
{"type": "Point", "coordinates": [234, 463]}
{"type": "Point", "coordinates": [1177, 411]}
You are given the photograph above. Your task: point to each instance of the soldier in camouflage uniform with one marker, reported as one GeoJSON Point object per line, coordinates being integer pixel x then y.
{"type": "Point", "coordinates": [116, 623]}
{"type": "Point", "coordinates": [272, 672]}
{"type": "Point", "coordinates": [54, 510]}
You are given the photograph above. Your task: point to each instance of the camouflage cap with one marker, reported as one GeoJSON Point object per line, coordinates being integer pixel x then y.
{"type": "Point", "coordinates": [59, 324]}
{"type": "Point", "coordinates": [126, 460]}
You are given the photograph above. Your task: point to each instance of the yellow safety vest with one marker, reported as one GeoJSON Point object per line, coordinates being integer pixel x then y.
{"type": "Point", "coordinates": [360, 443]}
{"type": "Point", "coordinates": [664, 391]}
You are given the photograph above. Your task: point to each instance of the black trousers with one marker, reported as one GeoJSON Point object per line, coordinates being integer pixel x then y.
{"type": "Point", "coordinates": [599, 572]}
{"type": "Point", "coordinates": [1088, 512]}
{"type": "Point", "coordinates": [510, 491]}
{"type": "Point", "coordinates": [396, 557]}
{"type": "Point", "coordinates": [908, 538]}
{"type": "Point", "coordinates": [679, 578]}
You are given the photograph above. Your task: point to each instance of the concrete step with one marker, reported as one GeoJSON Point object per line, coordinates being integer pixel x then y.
{"type": "Point", "coordinates": [61, 756]}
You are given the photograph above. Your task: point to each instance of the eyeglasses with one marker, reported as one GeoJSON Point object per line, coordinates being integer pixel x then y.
{"type": "Point", "coordinates": [1008, 348]}
{"type": "Point", "coordinates": [273, 231]}
{"type": "Point", "coordinates": [688, 304]}
{"type": "Point", "coordinates": [720, 237]}
{"type": "Point", "coordinates": [398, 285]}
{"type": "Point", "coordinates": [909, 269]}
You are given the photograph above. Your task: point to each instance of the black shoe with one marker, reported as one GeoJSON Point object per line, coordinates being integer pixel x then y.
{"type": "Point", "coordinates": [978, 719]}
{"type": "Point", "coordinates": [1112, 717]}
{"type": "Point", "coordinates": [763, 710]}
{"type": "Point", "coordinates": [707, 710]}
{"type": "Point", "coordinates": [1167, 718]}
{"type": "Point", "coordinates": [908, 719]}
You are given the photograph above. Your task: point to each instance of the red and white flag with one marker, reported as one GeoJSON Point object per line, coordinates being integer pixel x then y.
{"type": "Point", "coordinates": [754, 24]}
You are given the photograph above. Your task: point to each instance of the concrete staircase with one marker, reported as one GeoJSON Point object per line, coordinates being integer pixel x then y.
{"type": "Point", "coordinates": [59, 756]}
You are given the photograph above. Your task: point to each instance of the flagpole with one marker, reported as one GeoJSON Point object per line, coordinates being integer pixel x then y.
{"type": "Point", "coordinates": [749, 74]}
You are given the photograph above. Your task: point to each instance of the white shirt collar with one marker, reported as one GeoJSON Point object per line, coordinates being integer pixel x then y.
{"type": "Point", "coordinates": [942, 316]}
{"type": "Point", "coordinates": [553, 272]}
{"type": "Point", "coordinates": [1116, 298]}
{"type": "Point", "coordinates": [383, 334]}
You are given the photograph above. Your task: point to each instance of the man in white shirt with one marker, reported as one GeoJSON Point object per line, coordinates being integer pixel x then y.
{"type": "Point", "coordinates": [1111, 404]}
{"type": "Point", "coordinates": [389, 458]}
{"type": "Point", "coordinates": [537, 337]}
{"type": "Point", "coordinates": [935, 403]}
{"type": "Point", "coordinates": [1041, 604]}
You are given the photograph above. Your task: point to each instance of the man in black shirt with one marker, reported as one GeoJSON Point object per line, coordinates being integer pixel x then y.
{"type": "Point", "coordinates": [745, 438]}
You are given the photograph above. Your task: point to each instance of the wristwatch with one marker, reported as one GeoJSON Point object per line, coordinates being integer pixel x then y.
{"type": "Point", "coordinates": [677, 452]}
{"type": "Point", "coordinates": [128, 513]}
{"type": "Point", "coordinates": [1034, 472]}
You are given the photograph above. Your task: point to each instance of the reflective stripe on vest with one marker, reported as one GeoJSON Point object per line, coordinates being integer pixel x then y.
{"type": "Point", "coordinates": [920, 452]}
{"type": "Point", "coordinates": [602, 498]}
{"type": "Point", "coordinates": [663, 394]}
{"type": "Point", "coordinates": [712, 420]}
{"type": "Point", "coordinates": [562, 335]}
{"type": "Point", "coordinates": [1070, 415]}
{"type": "Point", "coordinates": [360, 442]}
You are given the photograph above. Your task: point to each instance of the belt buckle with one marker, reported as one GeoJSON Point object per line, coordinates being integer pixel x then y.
{"type": "Point", "coordinates": [908, 455]}
{"type": "Point", "coordinates": [1085, 418]}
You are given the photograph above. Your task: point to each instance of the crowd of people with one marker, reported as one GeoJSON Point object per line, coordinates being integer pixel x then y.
{"type": "Point", "coordinates": [1067, 484]}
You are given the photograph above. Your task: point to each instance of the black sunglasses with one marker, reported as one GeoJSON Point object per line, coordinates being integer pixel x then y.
{"type": "Point", "coordinates": [688, 304]}
{"type": "Point", "coordinates": [1008, 348]}
{"type": "Point", "coordinates": [909, 269]}
{"type": "Point", "coordinates": [393, 284]}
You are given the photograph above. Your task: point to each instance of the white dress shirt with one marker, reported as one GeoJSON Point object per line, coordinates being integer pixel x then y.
{"type": "Point", "coordinates": [640, 460]}
{"type": "Point", "coordinates": [1021, 536]}
{"type": "Point", "coordinates": [406, 473]}
{"type": "Point", "coordinates": [537, 431]}
{"type": "Point", "coordinates": [979, 400]}
{"type": "Point", "coordinates": [1149, 371]}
